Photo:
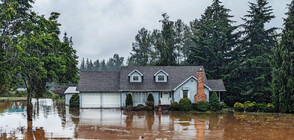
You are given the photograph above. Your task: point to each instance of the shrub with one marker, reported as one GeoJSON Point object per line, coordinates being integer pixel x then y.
{"type": "Point", "coordinates": [238, 106]}
{"type": "Point", "coordinates": [261, 107]}
{"type": "Point", "coordinates": [74, 101]}
{"type": "Point", "coordinates": [55, 96]}
{"type": "Point", "coordinates": [140, 105]}
{"type": "Point", "coordinates": [224, 105]}
{"type": "Point", "coordinates": [194, 106]}
{"type": "Point", "coordinates": [250, 106]}
{"type": "Point", "coordinates": [202, 106]}
{"type": "Point", "coordinates": [149, 103]}
{"type": "Point", "coordinates": [270, 107]}
{"type": "Point", "coordinates": [129, 100]}
{"type": "Point", "coordinates": [174, 106]}
{"type": "Point", "coordinates": [214, 103]}
{"type": "Point", "coordinates": [150, 98]}
{"type": "Point", "coordinates": [185, 104]}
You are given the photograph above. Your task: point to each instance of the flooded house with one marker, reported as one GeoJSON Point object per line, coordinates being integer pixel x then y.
{"type": "Point", "coordinates": [109, 89]}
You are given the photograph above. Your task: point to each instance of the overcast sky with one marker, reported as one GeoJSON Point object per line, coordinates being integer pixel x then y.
{"type": "Point", "coordinates": [101, 28]}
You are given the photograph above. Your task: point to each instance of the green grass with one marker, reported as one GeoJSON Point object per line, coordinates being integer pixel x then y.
{"type": "Point", "coordinates": [13, 98]}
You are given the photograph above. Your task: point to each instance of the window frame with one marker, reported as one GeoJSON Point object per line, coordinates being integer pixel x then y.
{"type": "Point", "coordinates": [185, 92]}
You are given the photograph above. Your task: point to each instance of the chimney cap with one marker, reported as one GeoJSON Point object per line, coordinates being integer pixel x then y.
{"type": "Point", "coordinates": [200, 69]}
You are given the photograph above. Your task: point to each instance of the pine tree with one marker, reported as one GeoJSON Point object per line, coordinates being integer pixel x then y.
{"type": "Point", "coordinates": [87, 64]}
{"type": "Point", "coordinates": [82, 68]}
{"type": "Point", "coordinates": [283, 66]}
{"type": "Point", "coordinates": [164, 42]}
{"type": "Point", "coordinates": [141, 48]}
{"type": "Point", "coordinates": [96, 65]}
{"type": "Point", "coordinates": [256, 48]}
{"type": "Point", "coordinates": [90, 66]}
{"type": "Point", "coordinates": [103, 65]}
{"type": "Point", "coordinates": [214, 37]}
{"type": "Point", "coordinates": [65, 38]}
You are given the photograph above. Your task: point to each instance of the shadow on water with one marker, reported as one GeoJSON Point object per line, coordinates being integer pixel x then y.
{"type": "Point", "coordinates": [54, 120]}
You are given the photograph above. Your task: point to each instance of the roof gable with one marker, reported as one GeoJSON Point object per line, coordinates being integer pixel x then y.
{"type": "Point", "coordinates": [134, 72]}
{"type": "Point", "coordinates": [188, 80]}
{"type": "Point", "coordinates": [161, 71]}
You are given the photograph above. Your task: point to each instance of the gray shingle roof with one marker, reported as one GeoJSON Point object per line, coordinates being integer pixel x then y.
{"type": "Point", "coordinates": [119, 80]}
{"type": "Point", "coordinates": [216, 85]}
{"type": "Point", "coordinates": [177, 75]}
{"type": "Point", "coordinates": [99, 81]}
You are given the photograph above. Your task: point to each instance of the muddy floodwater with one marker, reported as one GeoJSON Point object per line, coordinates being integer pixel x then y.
{"type": "Point", "coordinates": [54, 120]}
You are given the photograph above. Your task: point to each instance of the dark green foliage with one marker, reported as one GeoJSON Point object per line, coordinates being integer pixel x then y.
{"type": "Point", "coordinates": [263, 107]}
{"type": "Point", "coordinates": [112, 64]}
{"type": "Point", "coordinates": [21, 93]}
{"type": "Point", "coordinates": [250, 106]}
{"type": "Point", "coordinates": [256, 46]}
{"type": "Point", "coordinates": [224, 105]}
{"type": "Point", "coordinates": [150, 97]}
{"type": "Point", "coordinates": [194, 106]}
{"type": "Point", "coordinates": [238, 107]}
{"type": "Point", "coordinates": [141, 49]}
{"type": "Point", "coordinates": [202, 106]}
{"type": "Point", "coordinates": [185, 104]}
{"type": "Point", "coordinates": [129, 100]}
{"type": "Point", "coordinates": [214, 103]}
{"type": "Point", "coordinates": [174, 106]}
{"type": "Point", "coordinates": [214, 37]}
{"type": "Point", "coordinates": [283, 67]}
{"type": "Point", "coordinates": [149, 103]}
{"type": "Point", "coordinates": [74, 101]}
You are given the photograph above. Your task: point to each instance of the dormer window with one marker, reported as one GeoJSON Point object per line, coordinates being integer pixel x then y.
{"type": "Point", "coordinates": [135, 76]}
{"type": "Point", "coordinates": [161, 76]}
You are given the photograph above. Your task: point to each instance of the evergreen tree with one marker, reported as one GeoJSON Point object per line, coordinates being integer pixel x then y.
{"type": "Point", "coordinates": [96, 65]}
{"type": "Point", "coordinates": [283, 66]}
{"type": "Point", "coordinates": [65, 38]}
{"type": "Point", "coordinates": [103, 65]}
{"type": "Point", "coordinates": [164, 42]}
{"type": "Point", "coordinates": [141, 49]}
{"type": "Point", "coordinates": [214, 37]}
{"type": "Point", "coordinates": [90, 66]}
{"type": "Point", "coordinates": [256, 48]}
{"type": "Point", "coordinates": [83, 67]}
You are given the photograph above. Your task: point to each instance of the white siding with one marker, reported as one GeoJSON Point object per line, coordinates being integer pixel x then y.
{"type": "Point", "coordinates": [111, 100]}
{"type": "Point", "coordinates": [90, 100]}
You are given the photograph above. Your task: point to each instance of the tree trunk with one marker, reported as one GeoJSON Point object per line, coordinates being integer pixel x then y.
{"type": "Point", "coordinates": [29, 105]}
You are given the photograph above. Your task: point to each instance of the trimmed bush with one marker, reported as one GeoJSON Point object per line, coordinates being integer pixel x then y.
{"type": "Point", "coordinates": [74, 101]}
{"type": "Point", "coordinates": [185, 104]}
{"type": "Point", "coordinates": [214, 103]}
{"type": "Point", "coordinates": [238, 107]}
{"type": "Point", "coordinates": [150, 98]}
{"type": "Point", "coordinates": [250, 106]}
{"type": "Point", "coordinates": [129, 100]}
{"type": "Point", "coordinates": [202, 106]}
{"type": "Point", "coordinates": [174, 106]}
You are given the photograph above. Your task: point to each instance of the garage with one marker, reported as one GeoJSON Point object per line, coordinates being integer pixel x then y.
{"type": "Point", "coordinates": [90, 100]}
{"type": "Point", "coordinates": [111, 100]}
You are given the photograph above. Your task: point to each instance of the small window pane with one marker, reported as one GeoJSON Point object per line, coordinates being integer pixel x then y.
{"type": "Point", "coordinates": [160, 78]}
{"type": "Point", "coordinates": [135, 78]}
{"type": "Point", "coordinates": [185, 93]}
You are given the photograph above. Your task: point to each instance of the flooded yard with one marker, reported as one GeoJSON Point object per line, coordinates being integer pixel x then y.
{"type": "Point", "coordinates": [54, 120]}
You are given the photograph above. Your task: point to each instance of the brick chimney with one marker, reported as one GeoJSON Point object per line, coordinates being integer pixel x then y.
{"type": "Point", "coordinates": [200, 95]}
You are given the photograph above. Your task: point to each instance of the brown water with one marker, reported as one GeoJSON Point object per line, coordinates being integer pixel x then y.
{"type": "Point", "coordinates": [53, 120]}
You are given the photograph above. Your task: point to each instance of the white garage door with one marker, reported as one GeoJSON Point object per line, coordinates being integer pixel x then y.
{"type": "Point", "coordinates": [111, 100]}
{"type": "Point", "coordinates": [91, 100]}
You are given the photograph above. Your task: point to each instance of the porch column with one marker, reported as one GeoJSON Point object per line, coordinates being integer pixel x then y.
{"type": "Point", "coordinates": [219, 96]}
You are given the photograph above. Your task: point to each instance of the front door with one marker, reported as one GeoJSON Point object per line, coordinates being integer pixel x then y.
{"type": "Point", "coordinates": [165, 98]}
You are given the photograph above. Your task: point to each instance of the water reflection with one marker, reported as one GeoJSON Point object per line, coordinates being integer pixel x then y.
{"type": "Point", "coordinates": [54, 120]}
